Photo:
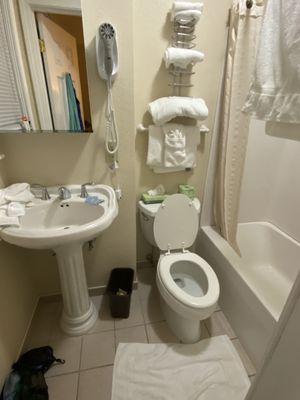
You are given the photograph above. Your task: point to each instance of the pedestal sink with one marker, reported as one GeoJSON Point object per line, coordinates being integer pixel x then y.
{"type": "Point", "coordinates": [64, 226]}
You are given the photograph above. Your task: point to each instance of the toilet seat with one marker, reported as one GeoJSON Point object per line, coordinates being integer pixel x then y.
{"type": "Point", "coordinates": [164, 270]}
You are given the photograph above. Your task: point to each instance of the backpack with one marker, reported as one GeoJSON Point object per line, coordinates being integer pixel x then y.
{"type": "Point", "coordinates": [35, 360]}
{"type": "Point", "coordinates": [27, 381]}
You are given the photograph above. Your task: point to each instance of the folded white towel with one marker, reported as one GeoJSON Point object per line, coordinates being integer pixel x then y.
{"type": "Point", "coordinates": [18, 192]}
{"type": "Point", "coordinates": [8, 221]}
{"type": "Point", "coordinates": [167, 108]}
{"type": "Point", "coordinates": [12, 203]}
{"type": "Point", "coordinates": [186, 9]}
{"type": "Point", "coordinates": [157, 157]}
{"type": "Point", "coordinates": [155, 146]}
{"type": "Point", "coordinates": [182, 57]}
{"type": "Point", "coordinates": [15, 209]}
{"type": "Point", "coordinates": [174, 152]}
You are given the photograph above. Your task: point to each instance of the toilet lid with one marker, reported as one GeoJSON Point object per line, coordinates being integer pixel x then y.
{"type": "Point", "coordinates": [176, 223]}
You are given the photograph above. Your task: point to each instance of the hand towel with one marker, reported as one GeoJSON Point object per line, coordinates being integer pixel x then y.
{"type": "Point", "coordinates": [15, 209]}
{"type": "Point", "coordinates": [8, 221]}
{"type": "Point", "coordinates": [179, 7]}
{"type": "Point", "coordinates": [275, 91]}
{"type": "Point", "coordinates": [18, 192]}
{"type": "Point", "coordinates": [156, 147]}
{"type": "Point", "coordinates": [174, 152]}
{"type": "Point", "coordinates": [182, 57]}
{"type": "Point", "coordinates": [167, 108]}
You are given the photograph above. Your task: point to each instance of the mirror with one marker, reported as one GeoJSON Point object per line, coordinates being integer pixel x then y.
{"type": "Point", "coordinates": [44, 85]}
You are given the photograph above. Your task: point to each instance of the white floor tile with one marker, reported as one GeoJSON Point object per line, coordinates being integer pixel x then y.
{"type": "Point", "coordinates": [63, 387]}
{"type": "Point", "coordinates": [159, 332]}
{"type": "Point", "coordinates": [218, 325]}
{"type": "Point", "coordinates": [249, 367]}
{"type": "Point", "coordinates": [105, 321]}
{"type": "Point", "coordinates": [134, 334]}
{"type": "Point", "coordinates": [95, 384]}
{"type": "Point", "coordinates": [151, 308]}
{"type": "Point", "coordinates": [68, 349]}
{"type": "Point", "coordinates": [98, 350]}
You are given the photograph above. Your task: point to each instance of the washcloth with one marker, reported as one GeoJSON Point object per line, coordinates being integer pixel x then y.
{"type": "Point", "coordinates": [186, 9]}
{"type": "Point", "coordinates": [13, 200]}
{"type": "Point", "coordinates": [19, 192]}
{"type": "Point", "coordinates": [182, 57]}
{"type": "Point", "coordinates": [275, 91]}
{"type": "Point", "coordinates": [167, 108]}
{"type": "Point", "coordinates": [8, 221]}
{"type": "Point", "coordinates": [156, 148]}
{"type": "Point", "coordinates": [174, 153]}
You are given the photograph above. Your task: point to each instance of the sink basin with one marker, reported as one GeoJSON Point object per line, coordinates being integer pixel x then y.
{"type": "Point", "coordinates": [64, 226]}
{"type": "Point", "coordinates": [52, 223]}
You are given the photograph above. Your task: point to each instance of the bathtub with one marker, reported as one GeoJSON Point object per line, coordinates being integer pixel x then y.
{"type": "Point", "coordinates": [255, 286]}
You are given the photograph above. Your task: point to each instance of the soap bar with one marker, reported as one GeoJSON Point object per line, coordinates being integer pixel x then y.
{"type": "Point", "coordinates": [150, 199]}
{"type": "Point", "coordinates": [93, 200]}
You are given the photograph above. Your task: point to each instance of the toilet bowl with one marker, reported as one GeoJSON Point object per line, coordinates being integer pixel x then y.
{"type": "Point", "coordinates": [188, 287]}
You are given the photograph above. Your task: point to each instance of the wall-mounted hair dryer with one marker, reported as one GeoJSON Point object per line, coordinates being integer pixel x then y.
{"type": "Point", "coordinates": [107, 62]}
{"type": "Point", "coordinates": [107, 52]}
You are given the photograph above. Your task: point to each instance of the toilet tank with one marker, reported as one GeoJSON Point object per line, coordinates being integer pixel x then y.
{"type": "Point", "coordinates": [147, 214]}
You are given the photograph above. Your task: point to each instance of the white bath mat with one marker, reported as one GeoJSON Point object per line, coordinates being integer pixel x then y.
{"type": "Point", "coordinates": [208, 370]}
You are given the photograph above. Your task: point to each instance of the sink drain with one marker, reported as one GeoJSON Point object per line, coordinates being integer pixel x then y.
{"type": "Point", "coordinates": [67, 227]}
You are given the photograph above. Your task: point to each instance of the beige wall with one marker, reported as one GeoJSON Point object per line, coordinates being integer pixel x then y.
{"type": "Point", "coordinates": [18, 297]}
{"type": "Point", "coordinates": [152, 33]}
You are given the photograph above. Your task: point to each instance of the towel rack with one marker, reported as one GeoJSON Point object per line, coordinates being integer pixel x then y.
{"type": "Point", "coordinates": [142, 129]}
{"type": "Point", "coordinates": [182, 37]}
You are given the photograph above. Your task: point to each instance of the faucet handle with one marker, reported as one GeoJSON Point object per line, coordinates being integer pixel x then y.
{"type": "Point", "coordinates": [64, 193]}
{"type": "Point", "coordinates": [45, 194]}
{"type": "Point", "coordinates": [83, 192]}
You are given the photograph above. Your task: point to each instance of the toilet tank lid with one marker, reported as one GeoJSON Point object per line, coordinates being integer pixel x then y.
{"type": "Point", "coordinates": [151, 209]}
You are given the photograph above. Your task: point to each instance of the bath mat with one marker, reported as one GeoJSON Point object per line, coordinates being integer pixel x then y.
{"type": "Point", "coordinates": [208, 370]}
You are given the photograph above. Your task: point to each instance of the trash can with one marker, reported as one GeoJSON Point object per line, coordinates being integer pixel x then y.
{"type": "Point", "coordinates": [119, 291]}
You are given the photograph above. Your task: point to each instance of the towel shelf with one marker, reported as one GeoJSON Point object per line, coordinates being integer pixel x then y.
{"type": "Point", "coordinates": [182, 37]}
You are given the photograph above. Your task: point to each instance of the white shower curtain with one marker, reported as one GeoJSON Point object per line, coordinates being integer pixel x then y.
{"type": "Point", "coordinates": [244, 28]}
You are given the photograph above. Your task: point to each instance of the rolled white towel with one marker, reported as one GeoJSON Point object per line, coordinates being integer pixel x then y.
{"type": "Point", "coordinates": [182, 57]}
{"type": "Point", "coordinates": [189, 14]}
{"type": "Point", "coordinates": [186, 5]}
{"type": "Point", "coordinates": [186, 9]}
{"type": "Point", "coordinates": [167, 108]}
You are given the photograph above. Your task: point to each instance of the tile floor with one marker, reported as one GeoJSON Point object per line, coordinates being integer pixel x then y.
{"type": "Point", "coordinates": [87, 373]}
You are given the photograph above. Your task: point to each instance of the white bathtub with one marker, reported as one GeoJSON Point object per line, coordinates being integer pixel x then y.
{"type": "Point", "coordinates": [254, 287]}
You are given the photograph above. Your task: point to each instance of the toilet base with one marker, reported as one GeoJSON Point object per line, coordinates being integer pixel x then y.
{"type": "Point", "coordinates": [186, 330]}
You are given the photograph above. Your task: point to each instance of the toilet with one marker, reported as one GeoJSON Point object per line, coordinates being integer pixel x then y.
{"type": "Point", "coordinates": [188, 286]}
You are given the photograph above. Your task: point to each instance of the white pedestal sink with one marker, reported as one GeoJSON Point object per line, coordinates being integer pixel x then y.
{"type": "Point", "coordinates": [64, 226]}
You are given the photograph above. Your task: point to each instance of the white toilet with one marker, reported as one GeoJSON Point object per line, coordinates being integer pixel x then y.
{"type": "Point", "coordinates": [188, 286]}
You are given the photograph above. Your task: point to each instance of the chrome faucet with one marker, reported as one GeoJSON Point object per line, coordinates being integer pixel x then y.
{"type": "Point", "coordinates": [83, 193]}
{"type": "Point", "coordinates": [64, 193]}
{"type": "Point", "coordinates": [45, 194]}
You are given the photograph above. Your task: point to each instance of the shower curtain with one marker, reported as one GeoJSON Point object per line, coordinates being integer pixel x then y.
{"type": "Point", "coordinates": [244, 28]}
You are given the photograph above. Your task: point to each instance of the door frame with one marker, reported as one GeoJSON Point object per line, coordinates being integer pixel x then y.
{"type": "Point", "coordinates": [27, 13]}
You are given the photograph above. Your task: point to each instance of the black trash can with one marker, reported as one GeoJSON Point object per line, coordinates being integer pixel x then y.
{"type": "Point", "coordinates": [119, 291]}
